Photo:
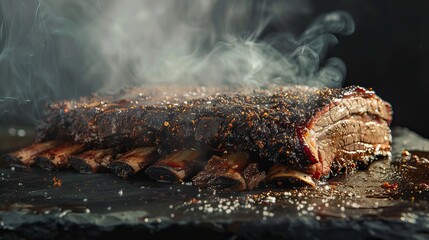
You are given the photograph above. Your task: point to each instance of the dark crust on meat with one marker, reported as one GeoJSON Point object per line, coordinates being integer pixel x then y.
{"type": "Point", "coordinates": [73, 119]}
{"type": "Point", "coordinates": [268, 123]}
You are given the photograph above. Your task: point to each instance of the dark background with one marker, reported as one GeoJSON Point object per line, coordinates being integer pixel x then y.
{"type": "Point", "coordinates": [389, 52]}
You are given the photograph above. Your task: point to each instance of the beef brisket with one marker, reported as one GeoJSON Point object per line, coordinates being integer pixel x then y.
{"type": "Point", "coordinates": [317, 132]}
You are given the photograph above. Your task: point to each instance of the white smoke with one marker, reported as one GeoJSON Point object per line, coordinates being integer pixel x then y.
{"type": "Point", "coordinates": [216, 42]}
{"type": "Point", "coordinates": [55, 49]}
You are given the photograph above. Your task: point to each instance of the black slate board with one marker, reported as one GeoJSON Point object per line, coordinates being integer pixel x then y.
{"type": "Point", "coordinates": [101, 206]}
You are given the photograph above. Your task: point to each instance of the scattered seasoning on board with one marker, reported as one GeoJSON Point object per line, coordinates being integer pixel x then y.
{"type": "Point", "coordinates": [389, 186]}
{"type": "Point", "coordinates": [56, 182]}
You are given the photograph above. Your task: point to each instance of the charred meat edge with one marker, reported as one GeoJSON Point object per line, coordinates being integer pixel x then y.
{"type": "Point", "coordinates": [57, 157]}
{"type": "Point", "coordinates": [224, 172]}
{"type": "Point", "coordinates": [25, 156]}
{"type": "Point", "coordinates": [93, 160]}
{"type": "Point", "coordinates": [134, 161]}
{"type": "Point", "coordinates": [177, 166]}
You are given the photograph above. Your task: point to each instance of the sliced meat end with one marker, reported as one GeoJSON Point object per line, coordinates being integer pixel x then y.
{"type": "Point", "coordinates": [346, 135]}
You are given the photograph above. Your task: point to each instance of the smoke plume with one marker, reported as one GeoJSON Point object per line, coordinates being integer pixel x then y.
{"type": "Point", "coordinates": [56, 49]}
